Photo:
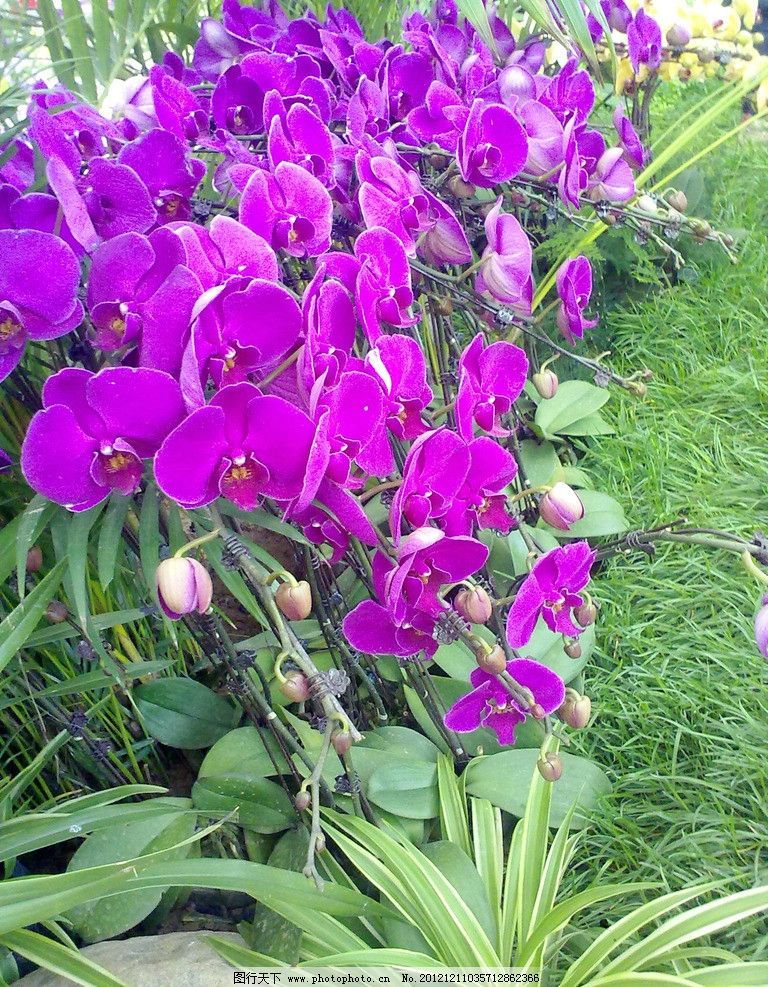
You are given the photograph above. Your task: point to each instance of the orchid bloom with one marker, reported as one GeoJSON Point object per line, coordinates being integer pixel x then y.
{"type": "Point", "coordinates": [492, 147]}
{"type": "Point", "coordinates": [31, 258]}
{"type": "Point", "coordinates": [491, 379]}
{"type": "Point", "coordinates": [95, 430]}
{"type": "Point", "coordinates": [290, 208]}
{"type": "Point", "coordinates": [489, 703]}
{"type": "Point", "coordinates": [505, 269]}
{"type": "Point", "coordinates": [574, 286]}
{"type": "Point", "coordinates": [235, 447]}
{"type": "Point", "coordinates": [551, 590]}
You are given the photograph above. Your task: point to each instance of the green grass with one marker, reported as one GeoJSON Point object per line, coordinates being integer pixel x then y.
{"type": "Point", "coordinates": [678, 686]}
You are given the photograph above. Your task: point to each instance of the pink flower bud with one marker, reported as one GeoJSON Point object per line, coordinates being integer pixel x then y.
{"type": "Point", "coordinates": [576, 712]}
{"type": "Point", "coordinates": [678, 36]}
{"type": "Point", "coordinates": [546, 383]}
{"type": "Point", "coordinates": [183, 586]}
{"type": "Point", "coordinates": [494, 662]}
{"type": "Point", "coordinates": [295, 688]}
{"type": "Point", "coordinates": [302, 801]}
{"type": "Point", "coordinates": [586, 614]}
{"type": "Point", "coordinates": [573, 649]}
{"type": "Point", "coordinates": [561, 507]}
{"type": "Point", "coordinates": [550, 767]}
{"type": "Point", "coordinates": [342, 741]}
{"type": "Point", "coordinates": [474, 605]}
{"type": "Point", "coordinates": [56, 612]}
{"type": "Point", "coordinates": [761, 628]}
{"type": "Point", "coordinates": [295, 602]}
{"type": "Point", "coordinates": [34, 559]}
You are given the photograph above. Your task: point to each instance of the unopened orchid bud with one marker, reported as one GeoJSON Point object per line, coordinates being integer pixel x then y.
{"type": "Point", "coordinates": [444, 306]}
{"type": "Point", "coordinates": [474, 605]}
{"type": "Point", "coordinates": [537, 711]}
{"type": "Point", "coordinates": [341, 741]}
{"type": "Point", "coordinates": [438, 161]}
{"type": "Point", "coordinates": [295, 602]}
{"type": "Point", "coordinates": [34, 559]}
{"type": "Point", "coordinates": [550, 767]}
{"type": "Point", "coordinates": [459, 188]}
{"type": "Point", "coordinates": [701, 229]}
{"type": "Point", "coordinates": [494, 662]}
{"type": "Point", "coordinates": [761, 628]}
{"type": "Point", "coordinates": [678, 36]}
{"type": "Point", "coordinates": [706, 55]}
{"type": "Point", "coordinates": [561, 506]}
{"type": "Point", "coordinates": [295, 687]}
{"type": "Point", "coordinates": [183, 586]}
{"type": "Point", "coordinates": [573, 649]}
{"type": "Point", "coordinates": [586, 614]}
{"type": "Point", "coordinates": [546, 383]}
{"type": "Point", "coordinates": [677, 199]}
{"type": "Point", "coordinates": [575, 712]}
{"type": "Point", "coordinates": [647, 204]}
{"type": "Point", "coordinates": [56, 612]}
{"type": "Point", "coordinates": [302, 801]}
{"type": "Point", "coordinates": [320, 844]}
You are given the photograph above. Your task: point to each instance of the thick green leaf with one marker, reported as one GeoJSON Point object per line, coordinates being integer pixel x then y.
{"type": "Point", "coordinates": [575, 399]}
{"type": "Point", "coordinates": [454, 823]}
{"type": "Point", "coordinates": [108, 917]}
{"type": "Point", "coordinates": [602, 516]}
{"type": "Point", "coordinates": [454, 864]}
{"type": "Point", "coordinates": [540, 462]}
{"type": "Point", "coordinates": [260, 804]}
{"type": "Point", "coordinates": [281, 937]}
{"type": "Point", "coordinates": [183, 713]}
{"type": "Point", "coordinates": [731, 975]}
{"type": "Point", "coordinates": [20, 622]}
{"type": "Point", "coordinates": [78, 532]}
{"type": "Point", "coordinates": [406, 788]}
{"type": "Point", "coordinates": [149, 537]}
{"type": "Point", "coordinates": [504, 778]}
{"type": "Point", "coordinates": [242, 753]}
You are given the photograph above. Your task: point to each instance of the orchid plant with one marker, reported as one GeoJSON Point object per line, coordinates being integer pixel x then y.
{"type": "Point", "coordinates": [294, 281]}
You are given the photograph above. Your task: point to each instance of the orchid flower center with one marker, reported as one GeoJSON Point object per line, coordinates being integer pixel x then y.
{"type": "Point", "coordinates": [11, 330]}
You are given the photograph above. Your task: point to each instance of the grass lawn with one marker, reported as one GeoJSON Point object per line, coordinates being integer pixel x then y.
{"type": "Point", "coordinates": [678, 686]}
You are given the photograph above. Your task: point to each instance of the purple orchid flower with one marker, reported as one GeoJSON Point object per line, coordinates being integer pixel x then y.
{"type": "Point", "coordinates": [570, 93]}
{"type": "Point", "coordinates": [481, 502]}
{"type": "Point", "coordinates": [551, 590]}
{"type": "Point", "coordinates": [398, 363]}
{"type": "Point", "coordinates": [109, 199]}
{"type": "Point", "coordinates": [492, 147]}
{"type": "Point", "coordinates": [95, 430]}
{"type": "Point", "coordinates": [435, 469]}
{"type": "Point", "coordinates": [351, 419]}
{"type": "Point", "coordinates": [129, 103]}
{"type": "Point", "coordinates": [168, 171]}
{"type": "Point", "coordinates": [505, 271]}
{"type": "Point", "coordinates": [574, 286]}
{"type": "Point", "coordinates": [644, 42]}
{"type": "Point", "coordinates": [489, 704]}
{"type": "Point", "coordinates": [427, 561]}
{"type": "Point", "coordinates": [18, 168]}
{"type": "Point", "coordinates": [216, 50]}
{"type": "Point", "coordinates": [300, 136]}
{"type": "Point", "coordinates": [225, 249]}
{"type": "Point", "coordinates": [330, 320]}
{"type": "Point", "coordinates": [491, 379]}
{"type": "Point", "coordinates": [373, 629]}
{"type": "Point", "coordinates": [634, 153]}
{"type": "Point", "coordinates": [761, 627]}
{"type": "Point", "coordinates": [545, 138]}
{"type": "Point", "coordinates": [177, 108]}
{"type": "Point", "coordinates": [31, 258]}
{"type": "Point", "coordinates": [242, 329]}
{"type": "Point", "coordinates": [612, 180]}
{"type": "Point", "coordinates": [394, 198]}
{"type": "Point", "coordinates": [141, 296]}
{"type": "Point", "coordinates": [235, 447]}
{"type": "Point", "coordinates": [441, 118]}
{"type": "Point", "coordinates": [291, 209]}
{"type": "Point", "coordinates": [237, 103]}
{"type": "Point", "coordinates": [383, 291]}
